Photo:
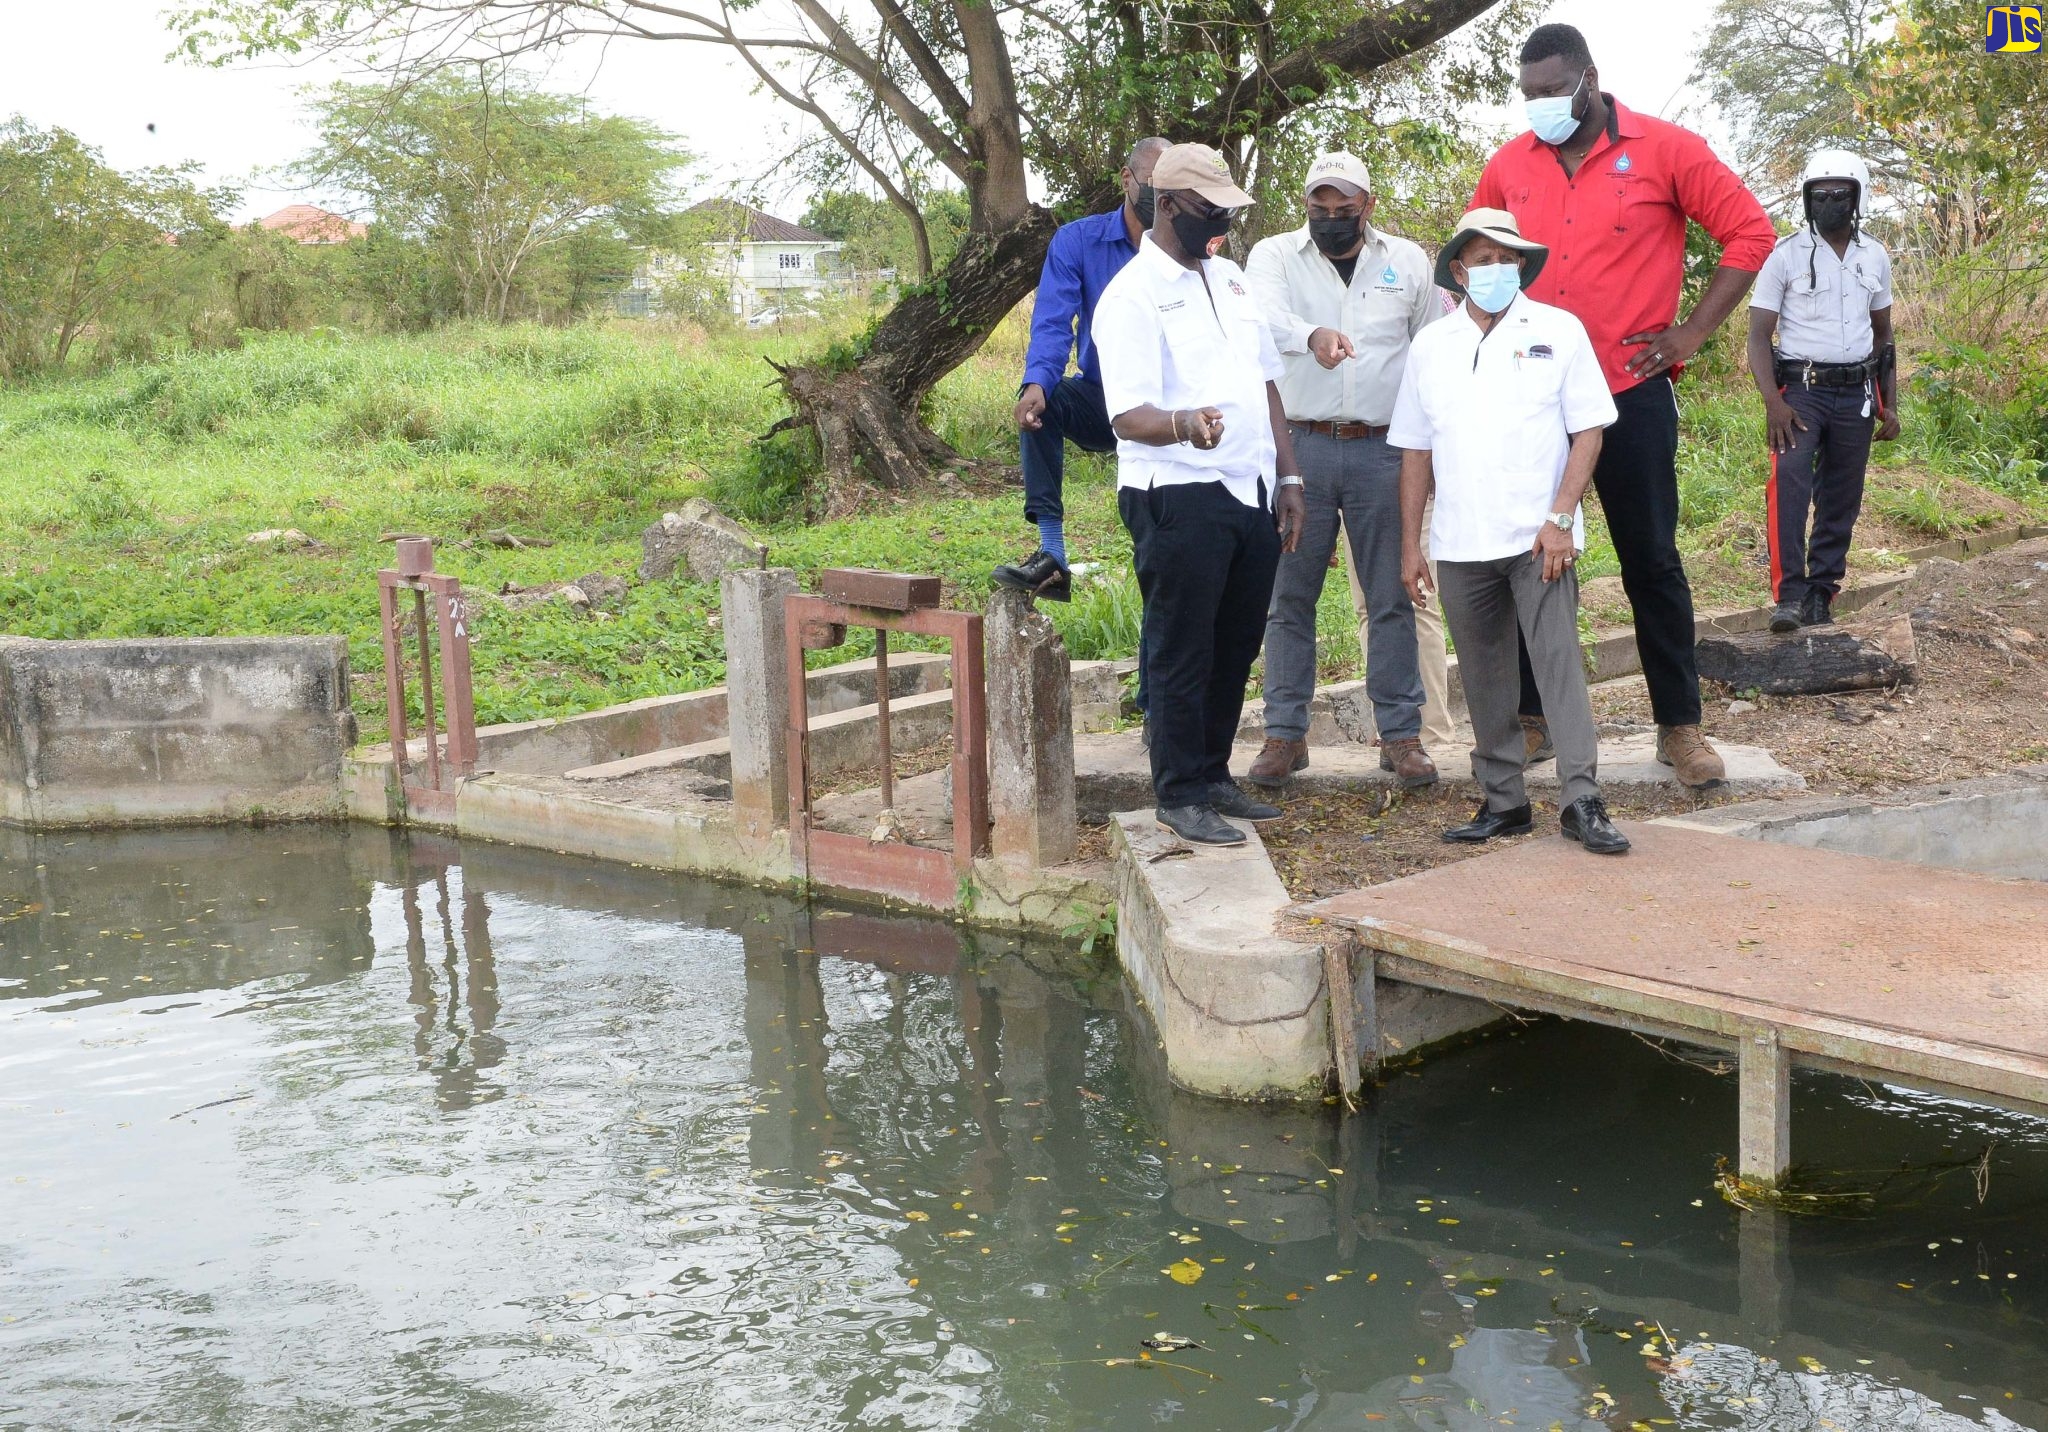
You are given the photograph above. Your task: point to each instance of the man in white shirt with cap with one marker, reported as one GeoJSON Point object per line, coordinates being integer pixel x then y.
{"type": "Point", "coordinates": [1342, 300]}
{"type": "Point", "coordinates": [1501, 411]}
{"type": "Point", "coordinates": [1206, 479]}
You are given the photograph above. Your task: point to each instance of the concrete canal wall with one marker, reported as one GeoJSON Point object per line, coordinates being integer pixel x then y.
{"type": "Point", "coordinates": [166, 731]}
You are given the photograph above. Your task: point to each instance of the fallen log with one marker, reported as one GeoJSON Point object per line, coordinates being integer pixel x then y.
{"type": "Point", "coordinates": [1813, 660]}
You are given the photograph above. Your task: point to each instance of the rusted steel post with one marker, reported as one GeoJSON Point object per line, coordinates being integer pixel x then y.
{"type": "Point", "coordinates": [394, 669]}
{"type": "Point", "coordinates": [882, 718]}
{"type": "Point", "coordinates": [799, 720]}
{"type": "Point", "coordinates": [419, 613]}
{"type": "Point", "coordinates": [970, 743]}
{"type": "Point", "coordinates": [457, 685]}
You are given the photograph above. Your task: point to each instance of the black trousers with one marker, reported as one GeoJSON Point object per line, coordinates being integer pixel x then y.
{"type": "Point", "coordinates": [1205, 567]}
{"type": "Point", "coordinates": [1637, 480]}
{"type": "Point", "coordinates": [1823, 471]}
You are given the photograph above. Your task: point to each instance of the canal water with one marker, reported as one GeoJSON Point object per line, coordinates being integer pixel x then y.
{"type": "Point", "coordinates": [318, 1129]}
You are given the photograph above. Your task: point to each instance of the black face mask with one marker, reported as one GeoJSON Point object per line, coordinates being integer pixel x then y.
{"type": "Point", "coordinates": [1194, 232]}
{"type": "Point", "coordinates": [1144, 204]}
{"type": "Point", "coordinates": [1335, 236]}
{"type": "Point", "coordinates": [1831, 216]}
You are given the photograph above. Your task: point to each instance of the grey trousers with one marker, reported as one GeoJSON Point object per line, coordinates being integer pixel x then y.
{"type": "Point", "coordinates": [1486, 603]}
{"type": "Point", "coordinates": [1359, 481]}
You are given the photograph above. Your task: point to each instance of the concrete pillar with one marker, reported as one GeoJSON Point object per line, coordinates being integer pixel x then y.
{"type": "Point", "coordinates": [1030, 735]}
{"type": "Point", "coordinates": [1765, 1125]}
{"type": "Point", "coordinates": [757, 694]}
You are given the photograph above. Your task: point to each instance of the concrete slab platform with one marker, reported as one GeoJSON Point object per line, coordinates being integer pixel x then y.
{"type": "Point", "coordinates": [1787, 955]}
{"type": "Point", "coordinates": [1113, 771]}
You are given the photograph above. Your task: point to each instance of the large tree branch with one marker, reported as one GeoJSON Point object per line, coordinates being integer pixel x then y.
{"type": "Point", "coordinates": [846, 51]}
{"type": "Point", "coordinates": [1002, 198]}
{"type": "Point", "coordinates": [933, 73]}
{"type": "Point", "coordinates": [1302, 76]}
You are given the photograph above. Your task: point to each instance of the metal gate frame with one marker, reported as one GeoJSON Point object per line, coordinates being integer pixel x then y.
{"type": "Point", "coordinates": [415, 573]}
{"type": "Point", "coordinates": [917, 873]}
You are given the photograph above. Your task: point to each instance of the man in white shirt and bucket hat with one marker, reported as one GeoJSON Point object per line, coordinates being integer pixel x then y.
{"type": "Point", "coordinates": [1206, 483]}
{"type": "Point", "coordinates": [1501, 412]}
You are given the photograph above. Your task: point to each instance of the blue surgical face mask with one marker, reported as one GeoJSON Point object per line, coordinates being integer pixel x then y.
{"type": "Point", "coordinates": [1552, 118]}
{"type": "Point", "coordinates": [1493, 286]}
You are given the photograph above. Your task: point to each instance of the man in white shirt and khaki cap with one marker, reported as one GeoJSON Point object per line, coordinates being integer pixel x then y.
{"type": "Point", "coordinates": [1342, 300]}
{"type": "Point", "coordinates": [1206, 483]}
{"type": "Point", "coordinates": [1502, 410]}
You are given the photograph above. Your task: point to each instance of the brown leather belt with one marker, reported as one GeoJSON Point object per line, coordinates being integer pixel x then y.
{"type": "Point", "coordinates": [1343, 432]}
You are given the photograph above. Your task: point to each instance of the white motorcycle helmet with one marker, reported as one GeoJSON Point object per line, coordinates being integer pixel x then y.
{"type": "Point", "coordinates": [1836, 164]}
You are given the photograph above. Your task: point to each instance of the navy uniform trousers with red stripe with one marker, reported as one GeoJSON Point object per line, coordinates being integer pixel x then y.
{"type": "Point", "coordinates": [1821, 473]}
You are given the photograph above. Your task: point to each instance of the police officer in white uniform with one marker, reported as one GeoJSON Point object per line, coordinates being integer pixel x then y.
{"type": "Point", "coordinates": [1828, 385]}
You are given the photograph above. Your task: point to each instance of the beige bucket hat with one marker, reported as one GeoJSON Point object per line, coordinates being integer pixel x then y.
{"type": "Point", "coordinates": [1500, 226]}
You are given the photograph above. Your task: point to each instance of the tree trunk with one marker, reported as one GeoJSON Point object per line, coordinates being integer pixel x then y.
{"type": "Point", "coordinates": [865, 415]}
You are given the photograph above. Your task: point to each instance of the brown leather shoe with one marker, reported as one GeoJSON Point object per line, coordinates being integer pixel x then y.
{"type": "Point", "coordinates": [1410, 764]}
{"type": "Point", "coordinates": [1536, 745]}
{"type": "Point", "coordinates": [1698, 765]}
{"type": "Point", "coordinates": [1277, 761]}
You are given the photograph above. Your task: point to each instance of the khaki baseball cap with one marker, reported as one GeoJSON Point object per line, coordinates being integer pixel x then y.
{"type": "Point", "coordinates": [1346, 173]}
{"type": "Point", "coordinates": [1200, 168]}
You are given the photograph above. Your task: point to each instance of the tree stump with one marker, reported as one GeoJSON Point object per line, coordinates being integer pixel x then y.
{"type": "Point", "coordinates": [1813, 660]}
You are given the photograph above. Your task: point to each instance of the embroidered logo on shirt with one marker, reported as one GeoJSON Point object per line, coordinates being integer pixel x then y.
{"type": "Point", "coordinates": [1236, 287]}
{"type": "Point", "coordinates": [1387, 275]}
{"type": "Point", "coordinates": [1170, 307]}
{"type": "Point", "coordinates": [1540, 350]}
{"type": "Point", "coordinates": [1624, 163]}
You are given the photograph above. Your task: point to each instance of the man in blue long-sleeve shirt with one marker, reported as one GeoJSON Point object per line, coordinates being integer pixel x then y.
{"type": "Point", "coordinates": [1054, 409]}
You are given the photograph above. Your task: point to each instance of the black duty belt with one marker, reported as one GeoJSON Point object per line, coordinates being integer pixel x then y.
{"type": "Point", "coordinates": [1344, 431]}
{"type": "Point", "coordinates": [1798, 372]}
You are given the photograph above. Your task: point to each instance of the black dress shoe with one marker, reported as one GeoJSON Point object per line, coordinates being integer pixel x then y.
{"type": "Point", "coordinates": [1487, 824]}
{"type": "Point", "coordinates": [1041, 574]}
{"type": "Point", "coordinates": [1787, 617]}
{"type": "Point", "coordinates": [1198, 825]}
{"type": "Point", "coordinates": [1585, 820]}
{"type": "Point", "coordinates": [1229, 800]}
{"type": "Point", "coordinates": [1818, 609]}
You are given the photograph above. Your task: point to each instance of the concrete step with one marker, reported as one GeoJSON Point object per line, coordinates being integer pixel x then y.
{"type": "Point", "coordinates": [840, 741]}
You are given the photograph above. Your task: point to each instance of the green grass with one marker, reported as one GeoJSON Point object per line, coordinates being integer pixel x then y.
{"type": "Point", "coordinates": [125, 497]}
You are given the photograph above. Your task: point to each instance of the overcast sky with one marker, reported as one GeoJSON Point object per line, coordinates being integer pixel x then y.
{"type": "Point", "coordinates": [99, 69]}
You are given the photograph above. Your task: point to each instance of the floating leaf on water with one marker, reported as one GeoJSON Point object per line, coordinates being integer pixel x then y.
{"type": "Point", "coordinates": [1187, 1270]}
{"type": "Point", "coordinates": [918, 1215]}
{"type": "Point", "coordinates": [1169, 1342]}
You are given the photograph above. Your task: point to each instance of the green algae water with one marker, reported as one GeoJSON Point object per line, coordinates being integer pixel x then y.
{"type": "Point", "coordinates": [322, 1129]}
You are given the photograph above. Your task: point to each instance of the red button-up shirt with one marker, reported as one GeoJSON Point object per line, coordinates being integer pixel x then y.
{"type": "Point", "coordinates": [1616, 229]}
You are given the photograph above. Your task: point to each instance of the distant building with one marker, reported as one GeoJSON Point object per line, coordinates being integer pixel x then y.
{"type": "Point", "coordinates": [765, 264]}
{"type": "Point", "coordinates": [309, 224]}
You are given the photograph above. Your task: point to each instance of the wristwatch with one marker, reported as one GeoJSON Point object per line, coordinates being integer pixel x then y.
{"type": "Point", "coordinates": [1291, 479]}
{"type": "Point", "coordinates": [1563, 521]}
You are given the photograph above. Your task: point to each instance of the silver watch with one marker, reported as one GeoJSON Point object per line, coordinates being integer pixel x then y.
{"type": "Point", "coordinates": [1563, 520]}
{"type": "Point", "coordinates": [1287, 480]}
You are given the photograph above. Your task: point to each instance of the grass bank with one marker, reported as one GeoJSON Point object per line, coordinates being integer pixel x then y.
{"type": "Point", "coordinates": [126, 497]}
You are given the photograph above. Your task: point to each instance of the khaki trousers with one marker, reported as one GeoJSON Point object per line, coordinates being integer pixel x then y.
{"type": "Point", "coordinates": [1439, 730]}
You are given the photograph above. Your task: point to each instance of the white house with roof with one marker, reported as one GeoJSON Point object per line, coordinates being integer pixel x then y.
{"type": "Point", "coordinates": [767, 265]}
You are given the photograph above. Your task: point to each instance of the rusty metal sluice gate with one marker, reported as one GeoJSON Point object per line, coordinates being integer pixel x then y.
{"type": "Point", "coordinates": [889, 602]}
{"type": "Point", "coordinates": [450, 631]}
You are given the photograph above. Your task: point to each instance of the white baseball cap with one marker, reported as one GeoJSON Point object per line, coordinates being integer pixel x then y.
{"type": "Point", "coordinates": [1346, 173]}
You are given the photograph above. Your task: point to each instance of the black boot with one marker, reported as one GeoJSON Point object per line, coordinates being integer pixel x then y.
{"type": "Point", "coordinates": [1041, 574]}
{"type": "Point", "coordinates": [1198, 825]}
{"type": "Point", "coordinates": [1486, 824]}
{"type": "Point", "coordinates": [1229, 800]}
{"type": "Point", "coordinates": [1788, 617]}
{"type": "Point", "coordinates": [1818, 610]}
{"type": "Point", "coordinates": [1585, 820]}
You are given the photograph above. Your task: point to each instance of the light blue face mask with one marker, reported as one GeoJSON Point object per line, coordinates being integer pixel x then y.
{"type": "Point", "coordinates": [1493, 286]}
{"type": "Point", "coordinates": [1551, 118]}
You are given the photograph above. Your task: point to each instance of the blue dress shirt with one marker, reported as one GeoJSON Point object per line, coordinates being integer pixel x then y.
{"type": "Point", "coordinates": [1084, 256]}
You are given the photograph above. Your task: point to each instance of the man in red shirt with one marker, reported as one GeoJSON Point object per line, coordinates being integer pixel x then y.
{"type": "Point", "coordinates": [1609, 191]}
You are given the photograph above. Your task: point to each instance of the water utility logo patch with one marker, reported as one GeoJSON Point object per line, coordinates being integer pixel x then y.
{"type": "Point", "coordinates": [2011, 29]}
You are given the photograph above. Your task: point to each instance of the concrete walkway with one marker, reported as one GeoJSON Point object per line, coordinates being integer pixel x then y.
{"type": "Point", "coordinates": [1931, 978]}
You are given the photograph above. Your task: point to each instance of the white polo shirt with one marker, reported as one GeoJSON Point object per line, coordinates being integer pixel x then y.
{"type": "Point", "coordinates": [1495, 410]}
{"type": "Point", "coordinates": [1824, 318]}
{"type": "Point", "coordinates": [1167, 340]}
{"type": "Point", "coordinates": [1392, 294]}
